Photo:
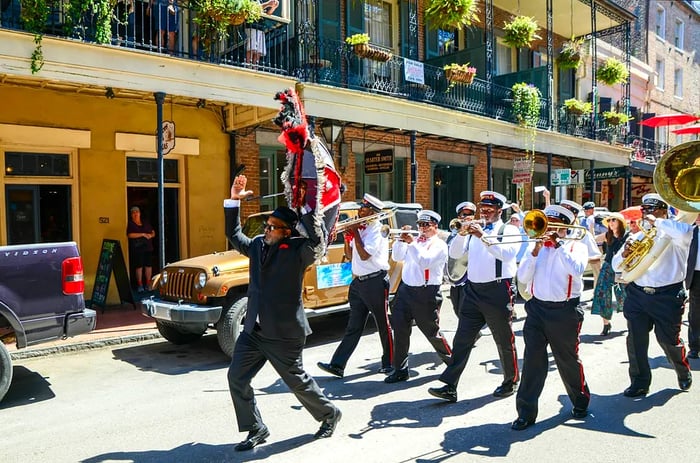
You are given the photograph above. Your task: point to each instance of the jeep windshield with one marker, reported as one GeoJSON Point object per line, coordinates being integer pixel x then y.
{"type": "Point", "coordinates": [255, 224]}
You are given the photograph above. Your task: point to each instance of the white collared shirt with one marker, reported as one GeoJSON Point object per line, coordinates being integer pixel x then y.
{"type": "Point", "coordinates": [376, 246]}
{"type": "Point", "coordinates": [556, 274]}
{"type": "Point", "coordinates": [421, 259]}
{"type": "Point", "coordinates": [481, 267]}
{"type": "Point", "coordinates": [670, 266]}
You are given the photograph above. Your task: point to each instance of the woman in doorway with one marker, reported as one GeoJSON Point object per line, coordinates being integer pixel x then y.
{"type": "Point", "coordinates": [615, 237]}
{"type": "Point", "coordinates": [140, 236]}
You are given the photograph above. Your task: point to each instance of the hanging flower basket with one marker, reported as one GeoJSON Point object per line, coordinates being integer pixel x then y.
{"type": "Point", "coordinates": [615, 118]}
{"type": "Point", "coordinates": [612, 72]}
{"type": "Point", "coordinates": [521, 31]}
{"type": "Point", "coordinates": [237, 19]}
{"type": "Point", "coordinates": [450, 14]}
{"type": "Point", "coordinates": [362, 48]}
{"type": "Point", "coordinates": [462, 73]}
{"type": "Point", "coordinates": [577, 107]}
{"type": "Point", "coordinates": [571, 54]}
{"type": "Point", "coordinates": [526, 104]}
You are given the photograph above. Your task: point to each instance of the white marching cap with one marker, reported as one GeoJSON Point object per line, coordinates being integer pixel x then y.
{"type": "Point", "coordinates": [559, 212]}
{"type": "Point", "coordinates": [465, 205]}
{"type": "Point", "coordinates": [427, 215]}
{"type": "Point", "coordinates": [492, 197]}
{"type": "Point", "coordinates": [654, 199]}
{"type": "Point", "coordinates": [572, 204]}
{"type": "Point", "coordinates": [372, 202]}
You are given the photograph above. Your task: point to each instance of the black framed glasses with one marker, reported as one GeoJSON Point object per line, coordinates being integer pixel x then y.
{"type": "Point", "coordinates": [269, 226]}
{"type": "Point", "coordinates": [424, 224]}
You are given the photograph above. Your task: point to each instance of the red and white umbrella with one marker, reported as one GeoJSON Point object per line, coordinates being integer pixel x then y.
{"type": "Point", "coordinates": [665, 120]}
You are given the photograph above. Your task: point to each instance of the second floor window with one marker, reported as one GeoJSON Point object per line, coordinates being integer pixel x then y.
{"type": "Point", "coordinates": [378, 23]}
{"type": "Point", "coordinates": [660, 70]}
{"type": "Point", "coordinates": [678, 83]}
{"type": "Point", "coordinates": [678, 34]}
{"type": "Point", "coordinates": [660, 22]}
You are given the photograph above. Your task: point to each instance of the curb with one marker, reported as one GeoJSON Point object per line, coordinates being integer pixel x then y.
{"type": "Point", "coordinates": [82, 346]}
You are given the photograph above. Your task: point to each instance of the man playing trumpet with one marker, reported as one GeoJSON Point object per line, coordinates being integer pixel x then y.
{"type": "Point", "coordinates": [487, 295]}
{"type": "Point", "coordinates": [368, 252]}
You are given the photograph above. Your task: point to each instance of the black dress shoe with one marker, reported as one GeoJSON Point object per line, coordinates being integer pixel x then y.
{"type": "Point", "coordinates": [505, 389]}
{"type": "Point", "coordinates": [693, 354]}
{"type": "Point", "coordinates": [606, 330]}
{"type": "Point", "coordinates": [446, 392]}
{"type": "Point", "coordinates": [328, 426]}
{"type": "Point", "coordinates": [386, 370]}
{"type": "Point", "coordinates": [332, 369]}
{"type": "Point", "coordinates": [521, 423]}
{"type": "Point", "coordinates": [254, 438]}
{"type": "Point", "coordinates": [397, 376]}
{"type": "Point", "coordinates": [636, 391]}
{"type": "Point", "coordinates": [685, 383]}
{"type": "Point", "coordinates": [579, 413]}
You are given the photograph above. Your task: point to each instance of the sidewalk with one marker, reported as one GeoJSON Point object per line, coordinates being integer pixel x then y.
{"type": "Point", "coordinates": [115, 325]}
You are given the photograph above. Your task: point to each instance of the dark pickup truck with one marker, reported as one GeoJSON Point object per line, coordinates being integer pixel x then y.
{"type": "Point", "coordinates": [41, 298]}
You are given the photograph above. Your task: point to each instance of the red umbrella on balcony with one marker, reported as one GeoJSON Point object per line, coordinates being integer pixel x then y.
{"type": "Point", "coordinates": [632, 213]}
{"type": "Point", "coordinates": [686, 130]}
{"type": "Point", "coordinates": [665, 120]}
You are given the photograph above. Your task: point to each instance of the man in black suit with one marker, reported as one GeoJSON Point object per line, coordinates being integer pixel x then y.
{"type": "Point", "coordinates": [275, 327]}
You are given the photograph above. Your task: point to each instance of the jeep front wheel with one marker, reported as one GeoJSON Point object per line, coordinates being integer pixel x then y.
{"type": "Point", "coordinates": [5, 370]}
{"type": "Point", "coordinates": [229, 326]}
{"type": "Point", "coordinates": [179, 333]}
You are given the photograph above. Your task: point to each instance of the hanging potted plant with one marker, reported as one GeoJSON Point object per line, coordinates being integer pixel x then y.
{"type": "Point", "coordinates": [462, 73]}
{"type": "Point", "coordinates": [571, 54]}
{"type": "Point", "coordinates": [615, 119]}
{"type": "Point", "coordinates": [215, 16]}
{"type": "Point", "coordinates": [578, 107]}
{"type": "Point", "coordinates": [451, 14]}
{"type": "Point", "coordinates": [362, 48]}
{"type": "Point", "coordinates": [526, 104]}
{"type": "Point", "coordinates": [248, 11]}
{"type": "Point", "coordinates": [520, 31]}
{"type": "Point", "coordinates": [612, 72]}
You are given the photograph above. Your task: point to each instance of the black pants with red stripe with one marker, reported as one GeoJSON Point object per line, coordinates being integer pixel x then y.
{"type": "Point", "coordinates": [481, 303]}
{"type": "Point", "coordinates": [367, 297]}
{"type": "Point", "coordinates": [422, 304]}
{"type": "Point", "coordinates": [557, 324]}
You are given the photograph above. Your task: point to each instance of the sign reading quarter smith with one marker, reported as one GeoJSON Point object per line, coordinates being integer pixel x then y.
{"type": "Point", "coordinates": [379, 162]}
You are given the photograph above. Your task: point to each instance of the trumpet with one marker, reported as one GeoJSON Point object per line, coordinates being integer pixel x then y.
{"type": "Point", "coordinates": [388, 232]}
{"type": "Point", "coordinates": [535, 225]}
{"type": "Point", "coordinates": [347, 223]}
{"type": "Point", "coordinates": [460, 226]}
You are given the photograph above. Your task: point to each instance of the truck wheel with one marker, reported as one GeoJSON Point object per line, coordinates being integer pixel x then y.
{"type": "Point", "coordinates": [5, 370]}
{"type": "Point", "coordinates": [229, 325]}
{"type": "Point", "coordinates": [180, 334]}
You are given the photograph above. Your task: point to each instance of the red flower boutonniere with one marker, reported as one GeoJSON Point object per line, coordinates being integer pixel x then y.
{"type": "Point", "coordinates": [284, 246]}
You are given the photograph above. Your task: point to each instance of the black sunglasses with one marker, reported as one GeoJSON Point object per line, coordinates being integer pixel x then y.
{"type": "Point", "coordinates": [424, 224]}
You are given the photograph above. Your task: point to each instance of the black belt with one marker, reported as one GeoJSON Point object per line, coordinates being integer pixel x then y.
{"type": "Point", "coordinates": [371, 275]}
{"type": "Point", "coordinates": [658, 289]}
{"type": "Point", "coordinates": [495, 282]}
{"type": "Point", "coordinates": [557, 305]}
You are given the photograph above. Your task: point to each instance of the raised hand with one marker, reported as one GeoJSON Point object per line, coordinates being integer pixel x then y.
{"type": "Point", "coordinates": [238, 190]}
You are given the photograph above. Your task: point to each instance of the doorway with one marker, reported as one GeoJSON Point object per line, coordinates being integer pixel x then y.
{"type": "Point", "coordinates": [146, 198]}
{"type": "Point", "coordinates": [452, 184]}
{"type": "Point", "coordinates": [38, 213]}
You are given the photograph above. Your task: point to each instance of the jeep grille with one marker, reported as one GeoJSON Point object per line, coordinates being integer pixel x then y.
{"type": "Point", "coordinates": [180, 283]}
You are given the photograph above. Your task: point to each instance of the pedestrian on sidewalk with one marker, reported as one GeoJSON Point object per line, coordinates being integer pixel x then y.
{"type": "Point", "coordinates": [140, 236]}
{"type": "Point", "coordinates": [368, 252]}
{"type": "Point", "coordinates": [275, 327]}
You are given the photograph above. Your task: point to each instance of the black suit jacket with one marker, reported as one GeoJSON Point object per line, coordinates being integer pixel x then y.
{"type": "Point", "coordinates": [692, 259]}
{"type": "Point", "coordinates": [274, 289]}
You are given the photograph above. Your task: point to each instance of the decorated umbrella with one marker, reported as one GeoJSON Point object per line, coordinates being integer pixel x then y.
{"type": "Point", "coordinates": [632, 213]}
{"type": "Point", "coordinates": [694, 129]}
{"type": "Point", "coordinates": [664, 120]}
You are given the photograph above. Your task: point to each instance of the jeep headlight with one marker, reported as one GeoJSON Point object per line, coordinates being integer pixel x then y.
{"type": "Point", "coordinates": [201, 280]}
{"type": "Point", "coordinates": [164, 277]}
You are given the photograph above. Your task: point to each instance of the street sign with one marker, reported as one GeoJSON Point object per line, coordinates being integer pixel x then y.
{"type": "Point", "coordinates": [522, 170]}
{"type": "Point", "coordinates": [577, 177]}
{"type": "Point", "coordinates": [379, 162]}
{"type": "Point", "coordinates": [607, 173]}
{"type": "Point", "coordinates": [561, 176]}
{"type": "Point", "coordinates": [168, 136]}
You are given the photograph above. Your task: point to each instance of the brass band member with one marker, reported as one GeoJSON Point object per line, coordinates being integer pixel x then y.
{"type": "Point", "coordinates": [369, 291]}
{"type": "Point", "coordinates": [418, 297]}
{"type": "Point", "coordinates": [465, 213]}
{"type": "Point", "coordinates": [487, 297]}
{"type": "Point", "coordinates": [655, 300]}
{"type": "Point", "coordinates": [594, 254]}
{"type": "Point", "coordinates": [692, 285]}
{"type": "Point", "coordinates": [553, 271]}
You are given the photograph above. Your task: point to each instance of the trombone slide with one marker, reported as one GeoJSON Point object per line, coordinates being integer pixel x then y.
{"type": "Point", "coordinates": [394, 232]}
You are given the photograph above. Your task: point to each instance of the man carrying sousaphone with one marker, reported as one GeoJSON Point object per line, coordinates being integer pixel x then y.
{"type": "Point", "coordinates": [368, 252]}
{"type": "Point", "coordinates": [655, 299]}
{"type": "Point", "coordinates": [487, 295]}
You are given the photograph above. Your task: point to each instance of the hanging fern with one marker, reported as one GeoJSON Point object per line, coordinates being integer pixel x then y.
{"type": "Point", "coordinates": [526, 104]}
{"type": "Point", "coordinates": [450, 14]}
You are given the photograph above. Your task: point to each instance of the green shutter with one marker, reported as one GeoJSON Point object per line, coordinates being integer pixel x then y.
{"type": "Point", "coordinates": [355, 17]}
{"type": "Point", "coordinates": [329, 20]}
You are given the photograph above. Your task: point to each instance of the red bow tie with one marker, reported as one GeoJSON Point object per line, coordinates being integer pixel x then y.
{"type": "Point", "coordinates": [363, 227]}
{"type": "Point", "coordinates": [549, 244]}
{"type": "Point", "coordinates": [422, 239]}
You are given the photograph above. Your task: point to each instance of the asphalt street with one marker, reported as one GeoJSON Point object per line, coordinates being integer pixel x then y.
{"type": "Point", "coordinates": [156, 402]}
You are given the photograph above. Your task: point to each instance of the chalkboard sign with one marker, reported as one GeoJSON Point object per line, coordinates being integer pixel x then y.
{"type": "Point", "coordinates": [111, 259]}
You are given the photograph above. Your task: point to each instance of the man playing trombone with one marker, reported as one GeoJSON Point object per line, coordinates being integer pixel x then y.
{"type": "Point", "coordinates": [487, 295]}
{"type": "Point", "coordinates": [655, 298]}
{"type": "Point", "coordinates": [553, 272]}
{"type": "Point", "coordinates": [368, 252]}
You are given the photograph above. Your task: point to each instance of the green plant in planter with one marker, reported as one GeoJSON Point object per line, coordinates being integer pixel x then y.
{"type": "Point", "coordinates": [357, 39]}
{"type": "Point", "coordinates": [612, 72]}
{"type": "Point", "coordinates": [450, 14]}
{"type": "Point", "coordinates": [526, 104]}
{"type": "Point", "coordinates": [616, 119]}
{"type": "Point", "coordinates": [520, 31]}
{"type": "Point", "coordinates": [215, 16]}
{"type": "Point", "coordinates": [578, 107]}
{"type": "Point", "coordinates": [571, 54]}
{"type": "Point", "coordinates": [34, 15]}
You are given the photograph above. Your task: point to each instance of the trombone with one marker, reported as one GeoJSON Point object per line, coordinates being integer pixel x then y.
{"type": "Point", "coordinates": [345, 224]}
{"type": "Point", "coordinates": [388, 232]}
{"type": "Point", "coordinates": [535, 225]}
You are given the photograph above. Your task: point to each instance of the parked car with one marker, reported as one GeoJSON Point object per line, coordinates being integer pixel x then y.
{"type": "Point", "coordinates": [209, 292]}
{"type": "Point", "coordinates": [41, 298]}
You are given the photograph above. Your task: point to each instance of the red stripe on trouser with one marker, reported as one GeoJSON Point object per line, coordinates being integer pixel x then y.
{"type": "Point", "coordinates": [580, 365]}
{"type": "Point", "coordinates": [444, 341]}
{"type": "Point", "coordinates": [390, 337]}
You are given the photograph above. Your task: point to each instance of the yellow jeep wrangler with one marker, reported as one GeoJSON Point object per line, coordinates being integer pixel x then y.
{"type": "Point", "coordinates": [209, 292]}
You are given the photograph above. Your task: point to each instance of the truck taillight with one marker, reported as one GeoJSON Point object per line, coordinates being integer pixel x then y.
{"type": "Point", "coordinates": [73, 279]}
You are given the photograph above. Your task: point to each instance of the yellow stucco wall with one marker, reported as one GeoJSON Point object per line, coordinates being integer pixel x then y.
{"type": "Point", "coordinates": [101, 177]}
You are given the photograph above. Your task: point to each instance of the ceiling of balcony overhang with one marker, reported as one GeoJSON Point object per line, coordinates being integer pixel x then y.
{"type": "Point", "coordinates": [563, 12]}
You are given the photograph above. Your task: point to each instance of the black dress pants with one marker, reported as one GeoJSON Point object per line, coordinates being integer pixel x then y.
{"type": "Point", "coordinates": [556, 324]}
{"type": "Point", "coordinates": [285, 355]}
{"type": "Point", "coordinates": [694, 313]}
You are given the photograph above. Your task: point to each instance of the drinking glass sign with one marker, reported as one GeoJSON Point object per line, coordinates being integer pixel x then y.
{"type": "Point", "coordinates": [379, 162]}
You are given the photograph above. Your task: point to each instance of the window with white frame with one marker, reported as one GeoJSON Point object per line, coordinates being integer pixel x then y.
{"type": "Point", "coordinates": [379, 23]}
{"type": "Point", "coordinates": [678, 83]}
{"type": "Point", "coordinates": [660, 71]}
{"type": "Point", "coordinates": [678, 34]}
{"type": "Point", "coordinates": [660, 22]}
